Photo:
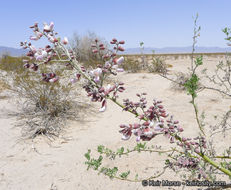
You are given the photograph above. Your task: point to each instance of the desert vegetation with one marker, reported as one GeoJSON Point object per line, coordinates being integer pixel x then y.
{"type": "Point", "coordinates": [49, 81]}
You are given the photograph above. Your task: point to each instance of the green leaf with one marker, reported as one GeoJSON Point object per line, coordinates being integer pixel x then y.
{"type": "Point", "coordinates": [87, 155]}
{"type": "Point", "coordinates": [192, 85]}
{"type": "Point", "coordinates": [100, 149]}
{"type": "Point", "coordinates": [136, 177]}
{"type": "Point", "coordinates": [120, 151]}
{"type": "Point", "coordinates": [199, 61]}
{"type": "Point", "coordinates": [124, 175]}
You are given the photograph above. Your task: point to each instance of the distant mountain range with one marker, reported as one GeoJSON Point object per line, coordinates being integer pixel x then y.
{"type": "Point", "coordinates": [176, 50]}
{"type": "Point", "coordinates": [18, 52]}
{"type": "Point", "coordinates": [12, 51]}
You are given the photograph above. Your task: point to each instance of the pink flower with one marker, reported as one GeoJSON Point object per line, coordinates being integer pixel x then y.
{"type": "Point", "coordinates": [34, 38]}
{"type": "Point", "coordinates": [77, 75]}
{"type": "Point", "coordinates": [104, 105]}
{"type": "Point", "coordinates": [118, 61]}
{"type": "Point", "coordinates": [109, 89]}
{"type": "Point", "coordinates": [54, 79]}
{"type": "Point", "coordinates": [33, 49]}
{"type": "Point", "coordinates": [126, 137]}
{"type": "Point", "coordinates": [107, 64]}
{"type": "Point", "coordinates": [126, 131]}
{"type": "Point", "coordinates": [120, 70]}
{"type": "Point", "coordinates": [52, 39]}
{"type": "Point", "coordinates": [158, 127]}
{"type": "Point", "coordinates": [74, 80]}
{"type": "Point", "coordinates": [38, 34]}
{"type": "Point", "coordinates": [65, 41]}
{"type": "Point", "coordinates": [40, 55]}
{"type": "Point", "coordinates": [96, 74]}
{"type": "Point", "coordinates": [95, 51]}
{"type": "Point", "coordinates": [48, 28]}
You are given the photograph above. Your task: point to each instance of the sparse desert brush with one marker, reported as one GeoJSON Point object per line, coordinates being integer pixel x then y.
{"type": "Point", "coordinates": [45, 107]}
{"type": "Point", "coordinates": [3, 85]}
{"type": "Point", "coordinates": [9, 63]}
{"type": "Point", "coordinates": [157, 65]}
{"type": "Point", "coordinates": [176, 57]}
{"type": "Point", "coordinates": [82, 46]}
{"type": "Point", "coordinates": [131, 65]}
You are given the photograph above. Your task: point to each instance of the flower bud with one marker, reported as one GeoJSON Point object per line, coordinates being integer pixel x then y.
{"type": "Point", "coordinates": [27, 65]}
{"type": "Point", "coordinates": [120, 48]}
{"type": "Point", "coordinates": [78, 76]}
{"type": "Point", "coordinates": [197, 150]}
{"type": "Point", "coordinates": [146, 123]}
{"type": "Point", "coordinates": [34, 38]}
{"type": "Point", "coordinates": [105, 56]}
{"type": "Point", "coordinates": [122, 42]}
{"type": "Point", "coordinates": [114, 40]}
{"type": "Point", "coordinates": [95, 51]}
{"type": "Point", "coordinates": [184, 139]}
{"type": "Point", "coordinates": [180, 129]}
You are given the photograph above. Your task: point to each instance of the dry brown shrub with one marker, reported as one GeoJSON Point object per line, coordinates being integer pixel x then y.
{"type": "Point", "coordinates": [83, 49]}
{"type": "Point", "coordinates": [157, 65]}
{"type": "Point", "coordinates": [132, 65]}
{"type": "Point", "coordinates": [44, 107]}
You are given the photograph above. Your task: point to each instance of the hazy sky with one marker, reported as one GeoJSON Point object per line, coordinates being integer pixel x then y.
{"type": "Point", "coordinates": [158, 23]}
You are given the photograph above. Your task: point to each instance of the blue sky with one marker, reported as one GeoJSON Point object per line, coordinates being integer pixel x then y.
{"type": "Point", "coordinates": [158, 23]}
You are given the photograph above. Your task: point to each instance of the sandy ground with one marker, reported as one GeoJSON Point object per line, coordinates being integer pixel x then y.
{"type": "Point", "coordinates": [41, 165]}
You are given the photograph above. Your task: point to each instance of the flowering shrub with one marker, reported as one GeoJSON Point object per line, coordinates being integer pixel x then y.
{"type": "Point", "coordinates": [190, 153]}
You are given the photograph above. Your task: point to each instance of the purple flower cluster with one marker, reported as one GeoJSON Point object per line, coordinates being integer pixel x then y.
{"type": "Point", "coordinates": [154, 121]}
{"type": "Point", "coordinates": [43, 55]}
{"type": "Point", "coordinates": [196, 144]}
{"type": "Point", "coordinates": [100, 94]}
{"type": "Point", "coordinates": [189, 163]}
{"type": "Point", "coordinates": [49, 77]}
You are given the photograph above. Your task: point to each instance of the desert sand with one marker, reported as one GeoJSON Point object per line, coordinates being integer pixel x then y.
{"type": "Point", "coordinates": [44, 165]}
